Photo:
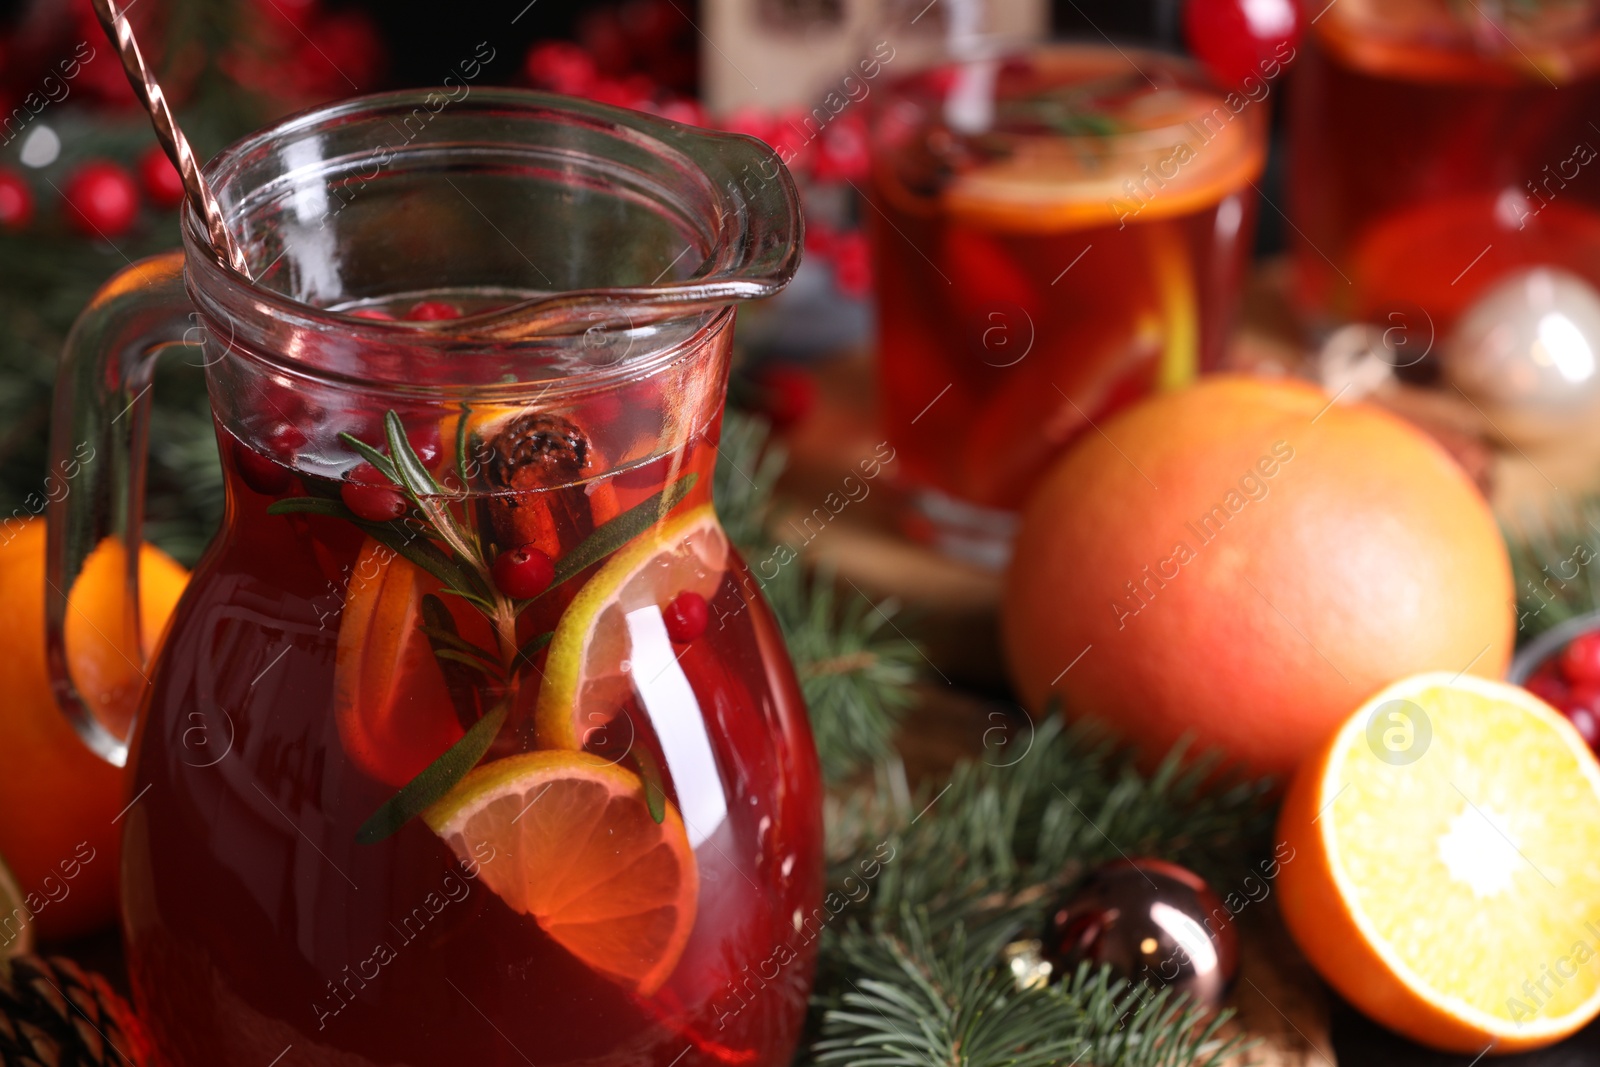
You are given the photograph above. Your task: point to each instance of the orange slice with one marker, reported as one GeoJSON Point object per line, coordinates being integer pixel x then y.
{"type": "Point", "coordinates": [586, 675]}
{"type": "Point", "coordinates": [574, 847]}
{"type": "Point", "coordinates": [390, 702]}
{"type": "Point", "coordinates": [1445, 865]}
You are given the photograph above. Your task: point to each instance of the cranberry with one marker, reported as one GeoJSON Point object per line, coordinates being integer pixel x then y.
{"type": "Point", "coordinates": [686, 617]}
{"type": "Point", "coordinates": [269, 473]}
{"type": "Point", "coordinates": [1584, 719]}
{"type": "Point", "coordinates": [1580, 660]}
{"type": "Point", "coordinates": [102, 199]}
{"type": "Point", "coordinates": [1241, 39]}
{"type": "Point", "coordinates": [523, 572]}
{"type": "Point", "coordinates": [161, 180]}
{"type": "Point", "coordinates": [433, 311]}
{"type": "Point", "coordinates": [16, 200]}
{"type": "Point", "coordinates": [424, 441]}
{"type": "Point", "coordinates": [371, 496]}
{"type": "Point", "coordinates": [264, 475]}
{"type": "Point", "coordinates": [1548, 688]}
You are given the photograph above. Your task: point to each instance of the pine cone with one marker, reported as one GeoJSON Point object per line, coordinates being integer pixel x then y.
{"type": "Point", "coordinates": [55, 1014]}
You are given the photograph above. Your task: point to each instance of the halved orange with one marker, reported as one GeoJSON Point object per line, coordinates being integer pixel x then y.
{"type": "Point", "coordinates": [390, 702]}
{"type": "Point", "coordinates": [586, 674]}
{"type": "Point", "coordinates": [574, 846]}
{"type": "Point", "coordinates": [1445, 867]}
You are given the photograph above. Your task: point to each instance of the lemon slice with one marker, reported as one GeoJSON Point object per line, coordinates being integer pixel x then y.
{"type": "Point", "coordinates": [588, 672]}
{"type": "Point", "coordinates": [1441, 865]}
{"type": "Point", "coordinates": [567, 838]}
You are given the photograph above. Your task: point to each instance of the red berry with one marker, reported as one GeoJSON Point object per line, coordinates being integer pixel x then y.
{"type": "Point", "coordinates": [1580, 660]}
{"type": "Point", "coordinates": [1584, 719]}
{"type": "Point", "coordinates": [102, 199]}
{"type": "Point", "coordinates": [161, 180]}
{"type": "Point", "coordinates": [560, 67]}
{"type": "Point", "coordinates": [377, 314]}
{"type": "Point", "coordinates": [424, 441]}
{"type": "Point", "coordinates": [523, 572]}
{"type": "Point", "coordinates": [1548, 688]}
{"type": "Point", "coordinates": [852, 265]}
{"type": "Point", "coordinates": [272, 472]}
{"type": "Point", "coordinates": [371, 496]}
{"type": "Point", "coordinates": [1240, 39]}
{"type": "Point", "coordinates": [686, 617]}
{"type": "Point", "coordinates": [16, 200]}
{"type": "Point", "coordinates": [260, 473]}
{"type": "Point", "coordinates": [788, 394]}
{"type": "Point", "coordinates": [433, 311]}
{"type": "Point", "coordinates": [842, 150]}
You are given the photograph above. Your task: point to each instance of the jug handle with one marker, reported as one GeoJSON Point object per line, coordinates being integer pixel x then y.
{"type": "Point", "coordinates": [98, 445]}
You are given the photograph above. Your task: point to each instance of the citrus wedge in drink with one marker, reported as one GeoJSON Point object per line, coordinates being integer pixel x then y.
{"type": "Point", "coordinates": [391, 705]}
{"type": "Point", "coordinates": [1445, 872]}
{"type": "Point", "coordinates": [586, 675]}
{"type": "Point", "coordinates": [567, 838]}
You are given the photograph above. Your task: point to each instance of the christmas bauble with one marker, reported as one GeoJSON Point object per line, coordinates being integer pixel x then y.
{"type": "Point", "coordinates": [1525, 354]}
{"type": "Point", "coordinates": [102, 199]}
{"type": "Point", "coordinates": [16, 200]}
{"type": "Point", "coordinates": [161, 180]}
{"type": "Point", "coordinates": [1151, 921]}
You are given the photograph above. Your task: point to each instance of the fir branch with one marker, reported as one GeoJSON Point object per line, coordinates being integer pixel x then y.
{"type": "Point", "coordinates": [853, 674]}
{"type": "Point", "coordinates": [1005, 837]}
{"type": "Point", "coordinates": [1555, 561]}
{"type": "Point", "coordinates": [925, 1000]}
{"type": "Point", "coordinates": [749, 464]}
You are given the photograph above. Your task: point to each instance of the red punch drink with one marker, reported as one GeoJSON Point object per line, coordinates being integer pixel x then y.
{"type": "Point", "coordinates": [1057, 234]}
{"type": "Point", "coordinates": [1436, 146]}
{"type": "Point", "coordinates": [471, 740]}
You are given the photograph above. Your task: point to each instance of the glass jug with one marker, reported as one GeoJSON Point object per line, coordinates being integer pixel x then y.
{"type": "Point", "coordinates": [471, 739]}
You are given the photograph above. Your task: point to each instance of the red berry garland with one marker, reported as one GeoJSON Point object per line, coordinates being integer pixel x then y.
{"type": "Point", "coordinates": [16, 200]}
{"type": "Point", "coordinates": [101, 199]}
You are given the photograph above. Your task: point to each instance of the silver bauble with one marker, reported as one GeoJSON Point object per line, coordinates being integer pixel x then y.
{"type": "Point", "coordinates": [1527, 354]}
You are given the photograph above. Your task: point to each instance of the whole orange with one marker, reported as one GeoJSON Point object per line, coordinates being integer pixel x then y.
{"type": "Point", "coordinates": [1244, 562]}
{"type": "Point", "coordinates": [57, 799]}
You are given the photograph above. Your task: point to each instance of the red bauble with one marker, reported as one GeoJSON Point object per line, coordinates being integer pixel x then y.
{"type": "Point", "coordinates": [101, 199]}
{"type": "Point", "coordinates": [161, 180]}
{"type": "Point", "coordinates": [16, 200]}
{"type": "Point", "coordinates": [522, 573]}
{"type": "Point", "coordinates": [686, 617]}
{"type": "Point", "coordinates": [1242, 39]}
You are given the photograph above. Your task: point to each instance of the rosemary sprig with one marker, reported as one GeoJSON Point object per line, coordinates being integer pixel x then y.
{"type": "Point", "coordinates": [433, 538]}
{"type": "Point", "coordinates": [427, 788]}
